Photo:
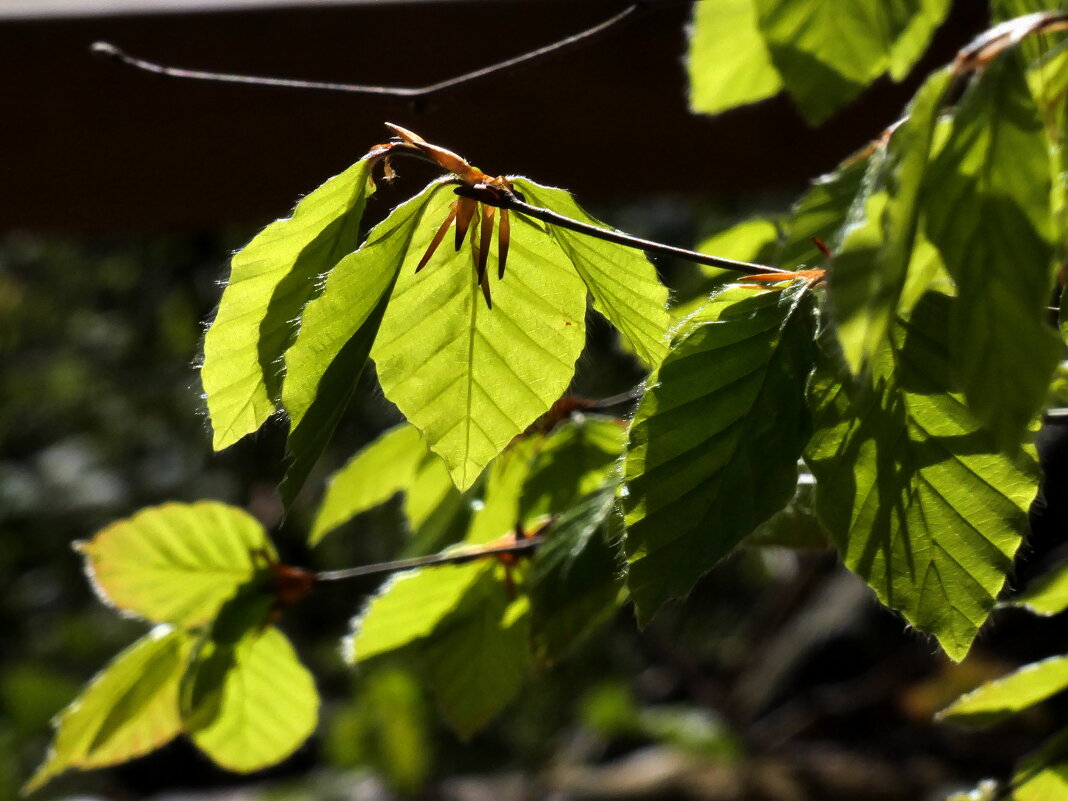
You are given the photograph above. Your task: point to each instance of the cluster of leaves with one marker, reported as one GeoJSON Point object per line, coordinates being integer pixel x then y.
{"type": "Point", "coordinates": [897, 389]}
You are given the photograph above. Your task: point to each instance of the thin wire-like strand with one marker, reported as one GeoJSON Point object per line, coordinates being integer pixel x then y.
{"type": "Point", "coordinates": [457, 557]}
{"type": "Point", "coordinates": [411, 92]}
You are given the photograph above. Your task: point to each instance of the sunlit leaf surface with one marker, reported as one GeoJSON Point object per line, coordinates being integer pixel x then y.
{"type": "Point", "coordinates": [385, 467]}
{"type": "Point", "coordinates": [128, 709]}
{"type": "Point", "coordinates": [470, 378]}
{"type": "Point", "coordinates": [715, 441]}
{"type": "Point", "coordinates": [176, 563]}
{"type": "Point", "coordinates": [270, 280]}
{"type": "Point", "coordinates": [624, 284]}
{"type": "Point", "coordinates": [1010, 694]}
{"type": "Point", "coordinates": [337, 330]}
{"type": "Point", "coordinates": [1047, 595]}
{"type": "Point", "coordinates": [262, 703]}
{"type": "Point", "coordinates": [914, 491]}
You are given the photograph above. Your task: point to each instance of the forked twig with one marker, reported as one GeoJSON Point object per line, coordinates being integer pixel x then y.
{"type": "Point", "coordinates": [109, 50]}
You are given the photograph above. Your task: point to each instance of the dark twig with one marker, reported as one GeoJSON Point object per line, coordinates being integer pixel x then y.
{"type": "Point", "coordinates": [456, 557]}
{"type": "Point", "coordinates": [414, 92]}
{"type": "Point", "coordinates": [512, 202]}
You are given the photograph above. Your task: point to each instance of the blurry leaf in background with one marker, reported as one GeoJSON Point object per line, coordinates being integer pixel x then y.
{"type": "Point", "coordinates": [987, 203]}
{"type": "Point", "coordinates": [871, 265]}
{"type": "Point", "coordinates": [826, 54]}
{"type": "Point", "coordinates": [128, 709]}
{"type": "Point", "coordinates": [176, 563]}
{"type": "Point", "coordinates": [479, 658]}
{"type": "Point", "coordinates": [1046, 595]}
{"type": "Point", "coordinates": [914, 491]}
{"type": "Point", "coordinates": [796, 524]}
{"type": "Point", "coordinates": [715, 440]}
{"type": "Point", "coordinates": [623, 282]}
{"type": "Point", "coordinates": [257, 708]}
{"type": "Point", "coordinates": [270, 281]}
{"type": "Point", "coordinates": [575, 580]}
{"type": "Point", "coordinates": [470, 378]}
{"type": "Point", "coordinates": [385, 727]}
{"type": "Point", "coordinates": [337, 331]}
{"type": "Point", "coordinates": [728, 63]}
{"type": "Point", "coordinates": [574, 461]}
{"type": "Point", "coordinates": [373, 476]}
{"type": "Point", "coordinates": [997, 700]}
{"type": "Point", "coordinates": [1043, 776]}
{"type": "Point", "coordinates": [610, 711]}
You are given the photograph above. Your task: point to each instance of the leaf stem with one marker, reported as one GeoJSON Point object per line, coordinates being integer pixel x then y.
{"type": "Point", "coordinates": [509, 200]}
{"type": "Point", "coordinates": [455, 557]}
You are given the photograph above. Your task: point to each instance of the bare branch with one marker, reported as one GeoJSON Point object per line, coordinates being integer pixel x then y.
{"type": "Point", "coordinates": [110, 51]}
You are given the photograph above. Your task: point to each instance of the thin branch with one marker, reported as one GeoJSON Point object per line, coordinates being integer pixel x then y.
{"type": "Point", "coordinates": [110, 51]}
{"type": "Point", "coordinates": [456, 557]}
{"type": "Point", "coordinates": [508, 200]}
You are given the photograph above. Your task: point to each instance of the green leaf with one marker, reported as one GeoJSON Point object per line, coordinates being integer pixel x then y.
{"type": "Point", "coordinates": [470, 378]}
{"type": "Point", "coordinates": [337, 330]}
{"type": "Point", "coordinates": [823, 212]}
{"type": "Point", "coordinates": [128, 709]}
{"type": "Point", "coordinates": [176, 563]}
{"type": "Point", "coordinates": [827, 53]}
{"type": "Point", "coordinates": [728, 64]}
{"type": "Point", "coordinates": [754, 239]}
{"type": "Point", "coordinates": [411, 605]}
{"type": "Point", "coordinates": [437, 512]}
{"type": "Point", "coordinates": [715, 441]}
{"type": "Point", "coordinates": [256, 706]}
{"type": "Point", "coordinates": [997, 700]}
{"type": "Point", "coordinates": [1043, 775]}
{"type": "Point", "coordinates": [623, 282]}
{"type": "Point", "coordinates": [480, 659]}
{"type": "Point", "coordinates": [1047, 595]}
{"type": "Point", "coordinates": [871, 265]}
{"type": "Point", "coordinates": [987, 198]}
{"type": "Point", "coordinates": [796, 524]}
{"type": "Point", "coordinates": [574, 461]}
{"type": "Point", "coordinates": [270, 280]}
{"type": "Point", "coordinates": [575, 579]}
{"type": "Point", "coordinates": [374, 475]}
{"type": "Point", "coordinates": [408, 607]}
{"type": "Point", "coordinates": [914, 491]}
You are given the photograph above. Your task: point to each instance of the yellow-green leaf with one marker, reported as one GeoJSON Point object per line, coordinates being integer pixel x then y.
{"type": "Point", "coordinates": [1010, 694]}
{"type": "Point", "coordinates": [470, 378]}
{"type": "Point", "coordinates": [128, 709]}
{"type": "Point", "coordinates": [176, 563]}
{"type": "Point", "coordinates": [271, 278]}
{"type": "Point", "coordinates": [624, 284]}
{"type": "Point", "coordinates": [262, 706]}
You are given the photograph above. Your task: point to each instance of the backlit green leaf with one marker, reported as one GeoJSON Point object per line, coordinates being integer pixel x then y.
{"type": "Point", "coordinates": [385, 467]}
{"type": "Point", "coordinates": [827, 53]}
{"type": "Point", "coordinates": [715, 441]}
{"type": "Point", "coordinates": [623, 282]}
{"type": "Point", "coordinates": [997, 700]}
{"type": "Point", "coordinates": [437, 512]}
{"type": "Point", "coordinates": [729, 64]}
{"type": "Point", "coordinates": [262, 702]}
{"type": "Point", "coordinates": [470, 378]}
{"type": "Point", "coordinates": [337, 330]}
{"type": "Point", "coordinates": [270, 280]}
{"type": "Point", "coordinates": [480, 659]}
{"type": "Point", "coordinates": [987, 198]}
{"type": "Point", "coordinates": [1046, 595]}
{"type": "Point", "coordinates": [1043, 775]}
{"type": "Point", "coordinates": [176, 563]}
{"type": "Point", "coordinates": [872, 262]}
{"type": "Point", "coordinates": [128, 709]}
{"type": "Point", "coordinates": [410, 606]}
{"type": "Point", "coordinates": [915, 493]}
